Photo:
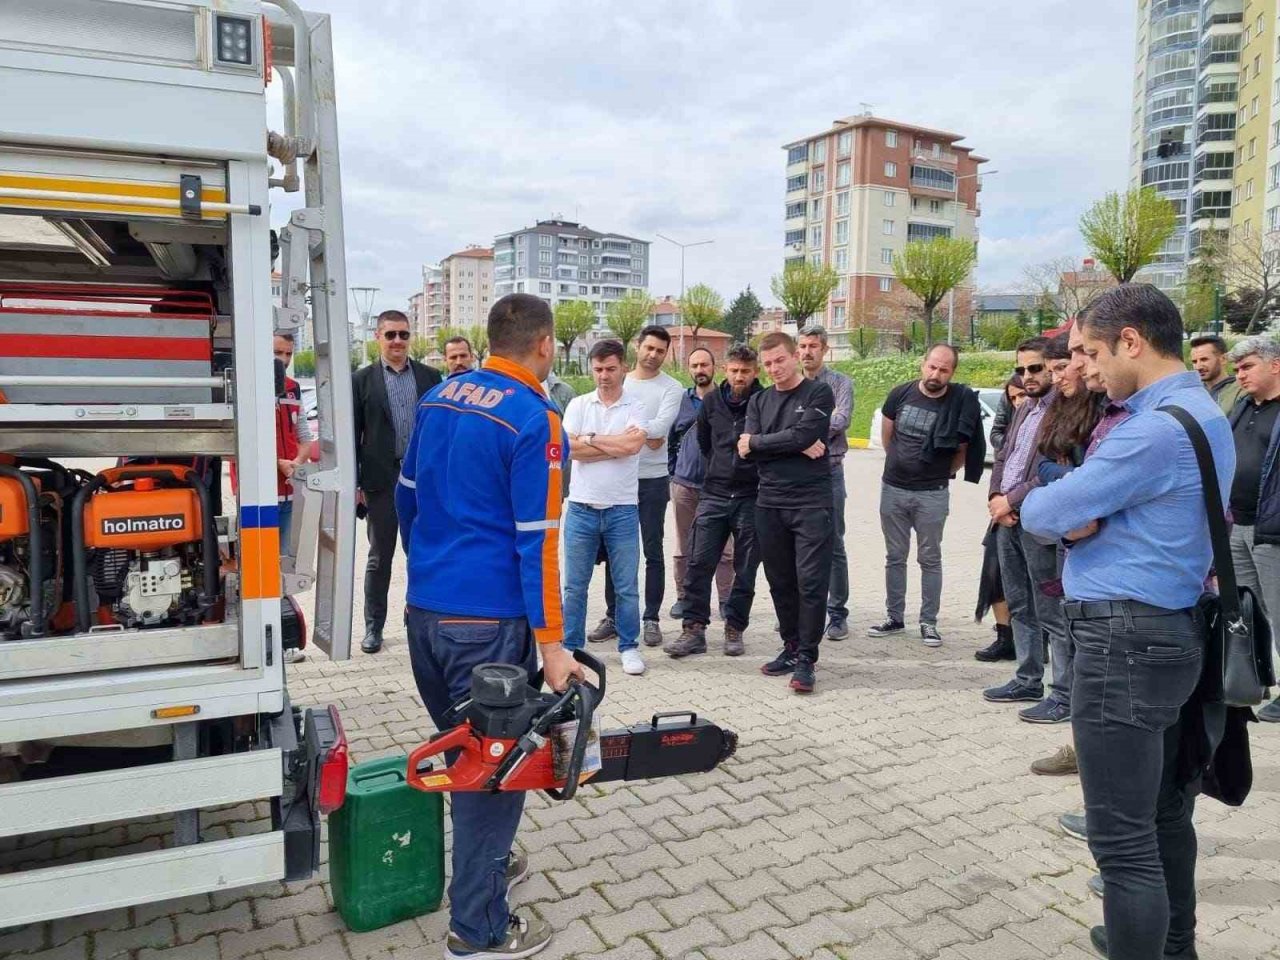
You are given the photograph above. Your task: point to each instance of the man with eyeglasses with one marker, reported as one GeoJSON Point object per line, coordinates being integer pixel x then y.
{"type": "Point", "coordinates": [384, 398]}
{"type": "Point", "coordinates": [1025, 562]}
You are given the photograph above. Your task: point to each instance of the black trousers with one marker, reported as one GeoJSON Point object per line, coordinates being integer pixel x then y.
{"type": "Point", "coordinates": [796, 544]}
{"type": "Point", "coordinates": [1135, 667]}
{"type": "Point", "coordinates": [655, 493]}
{"type": "Point", "coordinates": [384, 530]}
{"type": "Point", "coordinates": [716, 520]}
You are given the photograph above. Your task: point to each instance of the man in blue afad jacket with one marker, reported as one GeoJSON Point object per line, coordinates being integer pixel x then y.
{"type": "Point", "coordinates": [1134, 514]}
{"type": "Point", "coordinates": [479, 506]}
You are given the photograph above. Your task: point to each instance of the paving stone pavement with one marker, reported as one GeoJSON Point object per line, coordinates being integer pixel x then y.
{"type": "Point", "coordinates": [890, 816]}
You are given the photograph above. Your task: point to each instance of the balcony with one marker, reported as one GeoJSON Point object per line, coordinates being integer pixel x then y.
{"type": "Point", "coordinates": [925, 231]}
{"type": "Point", "coordinates": [942, 182]}
{"type": "Point", "coordinates": [619, 262]}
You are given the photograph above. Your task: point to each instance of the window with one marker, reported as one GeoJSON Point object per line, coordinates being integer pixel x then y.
{"type": "Point", "coordinates": [844, 143]}
{"type": "Point", "coordinates": [798, 154]}
{"type": "Point", "coordinates": [1244, 116]}
{"type": "Point", "coordinates": [1253, 147]}
{"type": "Point", "coordinates": [1248, 189]}
{"type": "Point", "coordinates": [544, 288]}
{"type": "Point", "coordinates": [886, 255]}
{"type": "Point", "coordinates": [842, 173]}
{"type": "Point", "coordinates": [544, 271]}
{"type": "Point", "coordinates": [891, 138]}
{"type": "Point", "coordinates": [842, 204]}
{"type": "Point", "coordinates": [815, 258]}
{"type": "Point", "coordinates": [794, 236]}
{"type": "Point", "coordinates": [1273, 219]}
{"type": "Point", "coordinates": [937, 149]}
{"type": "Point", "coordinates": [887, 228]}
{"type": "Point", "coordinates": [842, 231]}
{"type": "Point", "coordinates": [636, 279]}
{"type": "Point", "coordinates": [544, 240]}
{"type": "Point", "coordinates": [932, 178]}
{"type": "Point", "coordinates": [1273, 177]}
{"type": "Point", "coordinates": [818, 151]}
{"type": "Point", "coordinates": [937, 207]}
{"type": "Point", "coordinates": [1253, 108]}
{"type": "Point", "coordinates": [890, 169]}
{"type": "Point", "coordinates": [565, 289]}
{"type": "Point", "coordinates": [838, 314]}
{"type": "Point", "coordinates": [819, 180]}
{"type": "Point", "coordinates": [795, 210]}
{"type": "Point", "coordinates": [842, 289]}
{"type": "Point", "coordinates": [637, 264]}
{"type": "Point", "coordinates": [1258, 26]}
{"type": "Point", "coordinates": [582, 291]}
{"type": "Point", "coordinates": [798, 182]}
{"type": "Point", "coordinates": [637, 249]}
{"type": "Point", "coordinates": [520, 271]}
{"type": "Point", "coordinates": [817, 209]}
{"type": "Point", "coordinates": [886, 284]}
{"type": "Point", "coordinates": [1257, 66]}
{"type": "Point", "coordinates": [842, 260]}
{"type": "Point", "coordinates": [544, 256]}
{"type": "Point", "coordinates": [889, 198]}
{"type": "Point", "coordinates": [520, 240]}
{"type": "Point", "coordinates": [583, 259]}
{"type": "Point", "coordinates": [815, 235]}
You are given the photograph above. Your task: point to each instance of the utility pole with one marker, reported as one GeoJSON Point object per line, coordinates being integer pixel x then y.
{"type": "Point", "coordinates": [683, 247]}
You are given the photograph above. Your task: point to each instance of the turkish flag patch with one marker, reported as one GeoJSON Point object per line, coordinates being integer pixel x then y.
{"type": "Point", "coordinates": [555, 453]}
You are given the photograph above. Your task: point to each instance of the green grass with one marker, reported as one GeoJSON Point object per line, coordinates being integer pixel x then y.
{"type": "Point", "coordinates": [874, 377]}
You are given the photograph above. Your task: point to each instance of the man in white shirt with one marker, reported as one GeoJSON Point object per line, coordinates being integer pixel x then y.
{"type": "Point", "coordinates": [607, 429]}
{"type": "Point", "coordinates": [658, 395]}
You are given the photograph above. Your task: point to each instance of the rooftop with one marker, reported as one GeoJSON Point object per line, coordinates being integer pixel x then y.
{"type": "Point", "coordinates": [479, 253]}
{"type": "Point", "coordinates": [867, 120]}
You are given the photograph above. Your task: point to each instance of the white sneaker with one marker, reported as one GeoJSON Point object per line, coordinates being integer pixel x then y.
{"type": "Point", "coordinates": [294, 655]}
{"type": "Point", "coordinates": [632, 662]}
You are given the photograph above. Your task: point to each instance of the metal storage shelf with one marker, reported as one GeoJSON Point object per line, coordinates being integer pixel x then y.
{"type": "Point", "coordinates": [111, 430]}
{"type": "Point", "coordinates": [117, 649]}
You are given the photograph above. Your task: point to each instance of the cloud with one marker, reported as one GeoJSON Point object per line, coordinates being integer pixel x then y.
{"type": "Point", "coordinates": [461, 122]}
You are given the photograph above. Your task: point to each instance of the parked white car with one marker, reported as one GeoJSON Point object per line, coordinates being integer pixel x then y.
{"type": "Point", "coordinates": [988, 400]}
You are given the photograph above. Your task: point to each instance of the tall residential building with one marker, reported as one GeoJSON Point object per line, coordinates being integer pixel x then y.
{"type": "Point", "coordinates": [560, 260]}
{"type": "Point", "coordinates": [417, 314]}
{"type": "Point", "coordinates": [433, 299]}
{"type": "Point", "coordinates": [1184, 138]}
{"type": "Point", "coordinates": [1254, 119]}
{"type": "Point", "coordinates": [857, 193]}
{"type": "Point", "coordinates": [467, 279]}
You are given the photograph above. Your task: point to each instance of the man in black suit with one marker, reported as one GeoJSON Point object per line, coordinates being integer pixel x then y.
{"type": "Point", "coordinates": [385, 397]}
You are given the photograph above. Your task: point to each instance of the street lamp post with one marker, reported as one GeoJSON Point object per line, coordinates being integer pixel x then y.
{"type": "Point", "coordinates": [683, 247]}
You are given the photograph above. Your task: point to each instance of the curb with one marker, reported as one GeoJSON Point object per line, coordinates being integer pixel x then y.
{"type": "Point", "coordinates": [859, 443]}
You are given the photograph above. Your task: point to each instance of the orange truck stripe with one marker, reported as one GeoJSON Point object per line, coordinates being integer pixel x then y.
{"type": "Point", "coordinates": [260, 563]}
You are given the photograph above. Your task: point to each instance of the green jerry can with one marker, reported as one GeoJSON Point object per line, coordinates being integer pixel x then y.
{"type": "Point", "coordinates": [386, 847]}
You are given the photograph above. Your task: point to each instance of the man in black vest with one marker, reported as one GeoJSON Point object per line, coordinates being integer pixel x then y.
{"type": "Point", "coordinates": [384, 399]}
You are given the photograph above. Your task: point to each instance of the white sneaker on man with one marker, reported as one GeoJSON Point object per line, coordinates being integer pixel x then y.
{"type": "Point", "coordinates": [632, 662]}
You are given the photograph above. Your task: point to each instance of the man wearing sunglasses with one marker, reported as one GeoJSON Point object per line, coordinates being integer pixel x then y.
{"type": "Point", "coordinates": [384, 398]}
{"type": "Point", "coordinates": [1024, 561]}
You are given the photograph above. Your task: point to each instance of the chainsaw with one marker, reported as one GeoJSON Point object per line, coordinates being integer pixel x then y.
{"type": "Point", "coordinates": [512, 736]}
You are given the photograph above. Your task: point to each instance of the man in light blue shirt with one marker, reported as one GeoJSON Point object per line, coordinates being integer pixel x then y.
{"type": "Point", "coordinates": [1134, 513]}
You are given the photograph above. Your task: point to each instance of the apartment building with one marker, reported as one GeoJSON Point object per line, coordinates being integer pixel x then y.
{"type": "Point", "coordinates": [857, 193]}
{"type": "Point", "coordinates": [457, 292]}
{"type": "Point", "coordinates": [417, 314]}
{"type": "Point", "coordinates": [771, 319]}
{"type": "Point", "coordinates": [1200, 121]}
{"type": "Point", "coordinates": [561, 260]}
{"type": "Point", "coordinates": [433, 317]}
{"type": "Point", "coordinates": [1253, 119]}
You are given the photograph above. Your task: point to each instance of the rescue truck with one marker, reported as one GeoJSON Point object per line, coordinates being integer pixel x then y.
{"type": "Point", "coordinates": [145, 606]}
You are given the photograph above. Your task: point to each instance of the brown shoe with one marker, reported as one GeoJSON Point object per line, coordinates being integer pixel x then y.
{"type": "Point", "coordinates": [692, 639]}
{"type": "Point", "coordinates": [733, 645]}
{"type": "Point", "coordinates": [1061, 764]}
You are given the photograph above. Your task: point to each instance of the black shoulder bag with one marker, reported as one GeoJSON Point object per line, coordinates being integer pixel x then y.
{"type": "Point", "coordinates": [1238, 634]}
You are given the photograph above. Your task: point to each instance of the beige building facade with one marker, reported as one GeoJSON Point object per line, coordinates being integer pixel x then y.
{"type": "Point", "coordinates": [858, 193]}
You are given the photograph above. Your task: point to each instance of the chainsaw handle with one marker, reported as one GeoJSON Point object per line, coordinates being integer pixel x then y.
{"type": "Point", "coordinates": [449, 740]}
{"type": "Point", "coordinates": [587, 660]}
{"type": "Point", "coordinates": [693, 717]}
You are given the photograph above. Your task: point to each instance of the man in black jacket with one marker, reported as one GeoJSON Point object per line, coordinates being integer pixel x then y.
{"type": "Point", "coordinates": [726, 505]}
{"type": "Point", "coordinates": [786, 432]}
{"type": "Point", "coordinates": [384, 399]}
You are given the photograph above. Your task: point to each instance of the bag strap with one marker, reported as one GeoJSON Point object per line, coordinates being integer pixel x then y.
{"type": "Point", "coordinates": [1224, 566]}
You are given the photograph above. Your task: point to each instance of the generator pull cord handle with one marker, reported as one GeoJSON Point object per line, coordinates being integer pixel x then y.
{"type": "Point", "coordinates": [35, 538]}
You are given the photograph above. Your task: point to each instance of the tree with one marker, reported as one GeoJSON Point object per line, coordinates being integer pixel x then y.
{"type": "Point", "coordinates": [626, 317]}
{"type": "Point", "coordinates": [1125, 232]}
{"type": "Point", "coordinates": [479, 337]}
{"type": "Point", "coordinates": [1250, 264]}
{"type": "Point", "coordinates": [574, 319]}
{"type": "Point", "coordinates": [1202, 292]}
{"type": "Point", "coordinates": [304, 363]}
{"type": "Point", "coordinates": [931, 269]}
{"type": "Point", "coordinates": [372, 351]}
{"type": "Point", "coordinates": [742, 313]}
{"type": "Point", "coordinates": [702, 307]}
{"type": "Point", "coordinates": [804, 289]}
{"type": "Point", "coordinates": [356, 358]}
{"type": "Point", "coordinates": [1061, 286]}
{"type": "Point", "coordinates": [419, 347]}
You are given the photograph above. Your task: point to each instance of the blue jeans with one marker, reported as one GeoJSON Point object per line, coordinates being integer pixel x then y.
{"type": "Point", "coordinates": [585, 528]}
{"type": "Point", "coordinates": [443, 650]}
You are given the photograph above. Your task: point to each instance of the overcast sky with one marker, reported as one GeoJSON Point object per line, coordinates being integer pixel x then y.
{"type": "Point", "coordinates": [460, 121]}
